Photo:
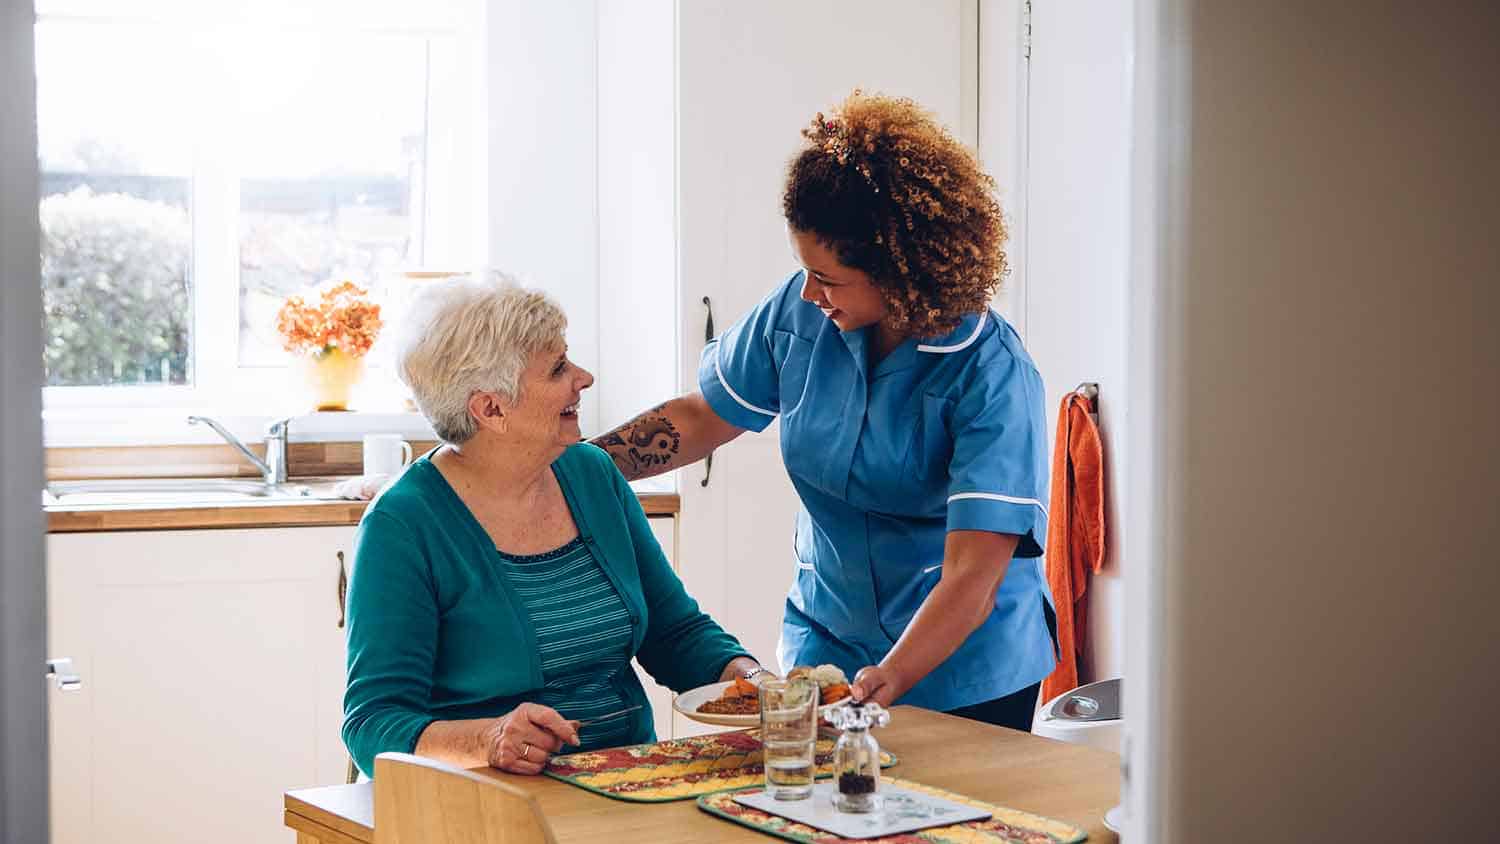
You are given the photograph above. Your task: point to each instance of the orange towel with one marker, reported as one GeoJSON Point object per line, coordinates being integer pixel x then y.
{"type": "Point", "coordinates": [1075, 534]}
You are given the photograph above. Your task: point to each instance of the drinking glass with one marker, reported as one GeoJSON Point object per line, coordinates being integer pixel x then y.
{"type": "Point", "coordinates": [788, 731]}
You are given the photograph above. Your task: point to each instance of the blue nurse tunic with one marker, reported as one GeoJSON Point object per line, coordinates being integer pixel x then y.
{"type": "Point", "coordinates": [942, 434]}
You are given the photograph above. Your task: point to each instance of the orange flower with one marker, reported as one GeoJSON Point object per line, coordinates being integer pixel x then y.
{"type": "Point", "coordinates": [344, 318]}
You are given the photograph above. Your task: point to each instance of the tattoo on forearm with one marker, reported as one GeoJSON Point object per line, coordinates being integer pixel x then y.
{"type": "Point", "coordinates": [645, 444]}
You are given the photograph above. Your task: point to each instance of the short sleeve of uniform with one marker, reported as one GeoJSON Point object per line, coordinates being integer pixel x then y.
{"type": "Point", "coordinates": [998, 474]}
{"type": "Point", "coordinates": [738, 374]}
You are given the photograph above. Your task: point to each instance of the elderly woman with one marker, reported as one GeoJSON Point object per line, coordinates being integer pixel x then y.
{"type": "Point", "coordinates": [504, 582]}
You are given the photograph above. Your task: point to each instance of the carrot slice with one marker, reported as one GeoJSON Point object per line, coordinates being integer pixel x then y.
{"type": "Point", "coordinates": [741, 688]}
{"type": "Point", "coordinates": [835, 692]}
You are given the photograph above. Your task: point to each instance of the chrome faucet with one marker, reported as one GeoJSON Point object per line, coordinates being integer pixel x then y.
{"type": "Point", "coordinates": [273, 468]}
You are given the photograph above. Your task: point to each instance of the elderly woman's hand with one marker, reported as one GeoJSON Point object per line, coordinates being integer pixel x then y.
{"type": "Point", "coordinates": [522, 740]}
{"type": "Point", "coordinates": [744, 666]}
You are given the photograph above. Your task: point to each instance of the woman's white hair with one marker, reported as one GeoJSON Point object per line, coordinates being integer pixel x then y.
{"type": "Point", "coordinates": [468, 334]}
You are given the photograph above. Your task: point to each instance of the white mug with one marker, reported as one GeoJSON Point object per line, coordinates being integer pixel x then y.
{"type": "Point", "coordinates": [385, 454]}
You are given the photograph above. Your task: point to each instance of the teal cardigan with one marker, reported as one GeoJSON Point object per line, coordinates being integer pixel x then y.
{"type": "Point", "coordinates": [436, 634]}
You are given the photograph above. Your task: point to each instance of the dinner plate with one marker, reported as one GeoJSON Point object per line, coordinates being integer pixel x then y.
{"type": "Point", "coordinates": [688, 702]}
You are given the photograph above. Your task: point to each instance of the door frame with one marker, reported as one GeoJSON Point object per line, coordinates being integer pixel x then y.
{"type": "Point", "coordinates": [1004, 84]}
{"type": "Point", "coordinates": [1159, 187]}
{"type": "Point", "coordinates": [23, 693]}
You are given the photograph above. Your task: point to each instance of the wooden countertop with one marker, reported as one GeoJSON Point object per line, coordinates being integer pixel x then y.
{"type": "Point", "coordinates": [1064, 781]}
{"type": "Point", "coordinates": [257, 514]}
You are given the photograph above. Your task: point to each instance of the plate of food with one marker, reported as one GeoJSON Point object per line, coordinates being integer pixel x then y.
{"type": "Point", "coordinates": [736, 703]}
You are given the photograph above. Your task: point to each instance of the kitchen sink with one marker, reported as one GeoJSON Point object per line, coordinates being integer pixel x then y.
{"type": "Point", "coordinates": [168, 491]}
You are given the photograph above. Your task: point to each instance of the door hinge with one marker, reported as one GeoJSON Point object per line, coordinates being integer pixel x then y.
{"type": "Point", "coordinates": [1026, 30]}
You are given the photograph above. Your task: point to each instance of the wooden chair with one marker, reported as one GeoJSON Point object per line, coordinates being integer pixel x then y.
{"type": "Point", "coordinates": [423, 801]}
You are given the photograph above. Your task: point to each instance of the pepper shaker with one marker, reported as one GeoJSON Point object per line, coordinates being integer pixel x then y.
{"type": "Point", "coordinates": [856, 757]}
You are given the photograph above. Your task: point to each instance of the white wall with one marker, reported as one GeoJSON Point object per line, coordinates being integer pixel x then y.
{"type": "Point", "coordinates": [638, 301]}
{"type": "Point", "coordinates": [543, 160]}
{"type": "Point", "coordinates": [457, 164]}
{"type": "Point", "coordinates": [580, 183]}
{"type": "Point", "coordinates": [1325, 285]}
{"type": "Point", "coordinates": [1069, 294]}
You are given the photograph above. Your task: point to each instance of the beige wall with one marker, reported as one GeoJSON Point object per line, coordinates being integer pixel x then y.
{"type": "Point", "coordinates": [1330, 412]}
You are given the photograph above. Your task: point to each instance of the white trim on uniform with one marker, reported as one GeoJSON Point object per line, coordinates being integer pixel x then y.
{"type": "Point", "coordinates": [719, 371]}
{"type": "Point", "coordinates": [944, 350]}
{"type": "Point", "coordinates": [995, 496]}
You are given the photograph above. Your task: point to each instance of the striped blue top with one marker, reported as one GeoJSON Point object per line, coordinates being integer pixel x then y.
{"type": "Point", "coordinates": [583, 634]}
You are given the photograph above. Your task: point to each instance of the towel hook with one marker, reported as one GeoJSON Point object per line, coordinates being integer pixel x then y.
{"type": "Point", "coordinates": [1090, 391]}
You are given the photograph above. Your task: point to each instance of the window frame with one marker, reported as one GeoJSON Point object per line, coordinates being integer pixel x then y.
{"type": "Point", "coordinates": [220, 384]}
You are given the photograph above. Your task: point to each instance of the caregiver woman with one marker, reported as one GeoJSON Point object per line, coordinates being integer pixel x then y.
{"type": "Point", "coordinates": [911, 422]}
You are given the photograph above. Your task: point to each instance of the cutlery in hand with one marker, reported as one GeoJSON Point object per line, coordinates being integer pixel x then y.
{"type": "Point", "coordinates": [610, 716]}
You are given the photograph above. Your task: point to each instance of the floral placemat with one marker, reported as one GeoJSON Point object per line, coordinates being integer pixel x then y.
{"type": "Point", "coordinates": [681, 769]}
{"type": "Point", "coordinates": [1005, 826]}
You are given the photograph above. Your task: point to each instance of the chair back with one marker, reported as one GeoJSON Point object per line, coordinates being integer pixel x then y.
{"type": "Point", "coordinates": [423, 801]}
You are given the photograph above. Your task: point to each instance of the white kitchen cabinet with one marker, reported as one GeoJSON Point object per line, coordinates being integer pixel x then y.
{"type": "Point", "coordinates": [213, 673]}
{"type": "Point", "coordinates": [213, 679]}
{"type": "Point", "coordinates": [665, 530]}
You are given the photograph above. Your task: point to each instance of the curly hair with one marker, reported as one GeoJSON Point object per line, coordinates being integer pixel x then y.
{"type": "Point", "coordinates": [892, 193]}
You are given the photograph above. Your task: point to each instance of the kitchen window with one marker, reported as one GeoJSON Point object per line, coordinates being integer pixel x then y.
{"type": "Point", "coordinates": [201, 161]}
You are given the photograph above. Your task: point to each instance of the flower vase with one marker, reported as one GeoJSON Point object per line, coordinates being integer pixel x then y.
{"type": "Point", "coordinates": [331, 376]}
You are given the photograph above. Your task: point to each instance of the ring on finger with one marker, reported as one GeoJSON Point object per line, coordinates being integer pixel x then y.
{"type": "Point", "coordinates": [525, 750]}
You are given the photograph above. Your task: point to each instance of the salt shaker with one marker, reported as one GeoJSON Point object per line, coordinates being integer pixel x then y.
{"type": "Point", "coordinates": [856, 757]}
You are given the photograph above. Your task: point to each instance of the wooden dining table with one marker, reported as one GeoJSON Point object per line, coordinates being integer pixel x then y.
{"type": "Point", "coordinates": [1068, 782]}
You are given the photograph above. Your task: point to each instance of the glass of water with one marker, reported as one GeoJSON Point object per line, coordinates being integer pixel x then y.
{"type": "Point", "coordinates": [788, 731]}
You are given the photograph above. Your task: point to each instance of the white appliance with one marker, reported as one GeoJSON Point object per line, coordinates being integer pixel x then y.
{"type": "Point", "coordinates": [1089, 714]}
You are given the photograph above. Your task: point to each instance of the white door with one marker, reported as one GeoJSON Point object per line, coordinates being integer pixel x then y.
{"type": "Point", "coordinates": [213, 666]}
{"type": "Point", "coordinates": [750, 76]}
{"type": "Point", "coordinates": [23, 762]}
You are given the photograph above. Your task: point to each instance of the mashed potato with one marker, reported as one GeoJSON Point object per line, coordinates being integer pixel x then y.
{"type": "Point", "coordinates": [824, 675]}
{"type": "Point", "coordinates": [828, 675]}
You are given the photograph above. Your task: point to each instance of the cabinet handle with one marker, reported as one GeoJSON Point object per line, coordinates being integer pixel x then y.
{"type": "Point", "coordinates": [708, 336]}
{"type": "Point", "coordinates": [343, 588]}
{"type": "Point", "coordinates": [62, 668]}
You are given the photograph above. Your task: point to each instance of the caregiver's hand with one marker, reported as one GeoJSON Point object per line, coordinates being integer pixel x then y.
{"type": "Point", "coordinates": [522, 740]}
{"type": "Point", "coordinates": [876, 683]}
{"type": "Point", "coordinates": [974, 565]}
